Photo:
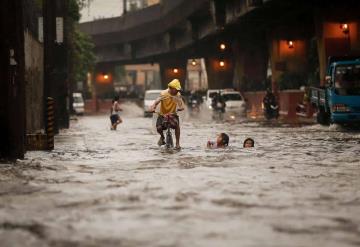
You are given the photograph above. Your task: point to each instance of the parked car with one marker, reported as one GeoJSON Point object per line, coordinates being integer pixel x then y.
{"type": "Point", "coordinates": [235, 103]}
{"type": "Point", "coordinates": [78, 104]}
{"type": "Point", "coordinates": [150, 97]}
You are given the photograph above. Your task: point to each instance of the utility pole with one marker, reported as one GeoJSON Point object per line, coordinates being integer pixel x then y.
{"type": "Point", "coordinates": [12, 94]}
{"type": "Point", "coordinates": [49, 48]}
{"type": "Point", "coordinates": [55, 59]}
{"type": "Point", "coordinates": [61, 64]}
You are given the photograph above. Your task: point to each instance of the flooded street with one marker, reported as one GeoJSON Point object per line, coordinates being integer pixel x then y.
{"type": "Point", "coordinates": [298, 187]}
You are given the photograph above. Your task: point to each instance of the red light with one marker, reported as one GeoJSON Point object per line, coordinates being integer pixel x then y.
{"type": "Point", "coordinates": [345, 28]}
{"type": "Point", "coordinates": [290, 44]}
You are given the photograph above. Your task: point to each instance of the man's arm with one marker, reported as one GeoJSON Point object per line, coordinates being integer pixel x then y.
{"type": "Point", "coordinates": [156, 102]}
{"type": "Point", "coordinates": [180, 104]}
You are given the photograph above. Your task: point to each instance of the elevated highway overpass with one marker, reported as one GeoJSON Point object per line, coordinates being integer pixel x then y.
{"type": "Point", "coordinates": [254, 31]}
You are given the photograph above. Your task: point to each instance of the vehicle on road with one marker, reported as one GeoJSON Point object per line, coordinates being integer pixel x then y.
{"type": "Point", "coordinates": [213, 92]}
{"type": "Point", "coordinates": [339, 101]}
{"type": "Point", "coordinates": [169, 143]}
{"type": "Point", "coordinates": [271, 111]}
{"type": "Point", "coordinates": [150, 97]}
{"type": "Point", "coordinates": [218, 106]}
{"type": "Point", "coordinates": [194, 107]}
{"type": "Point", "coordinates": [194, 102]}
{"type": "Point", "coordinates": [270, 105]}
{"type": "Point", "coordinates": [235, 103]}
{"type": "Point", "coordinates": [210, 95]}
{"type": "Point", "coordinates": [78, 104]}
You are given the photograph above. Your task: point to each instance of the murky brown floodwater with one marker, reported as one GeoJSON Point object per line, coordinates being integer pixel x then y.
{"type": "Point", "coordinates": [298, 187]}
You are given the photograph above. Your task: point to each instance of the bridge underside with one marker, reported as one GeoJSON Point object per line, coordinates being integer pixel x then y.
{"type": "Point", "coordinates": [255, 32]}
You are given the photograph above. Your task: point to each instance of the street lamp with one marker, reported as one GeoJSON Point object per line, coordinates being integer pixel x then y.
{"type": "Point", "coordinates": [345, 28]}
{"type": "Point", "coordinates": [193, 62]}
{"type": "Point", "coordinates": [175, 70]}
{"type": "Point", "coordinates": [290, 44]}
{"type": "Point", "coordinates": [222, 63]}
{"type": "Point", "coordinates": [105, 76]}
{"type": "Point", "coordinates": [222, 46]}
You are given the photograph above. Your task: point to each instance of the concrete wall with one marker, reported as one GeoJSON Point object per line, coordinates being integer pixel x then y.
{"type": "Point", "coordinates": [332, 41]}
{"type": "Point", "coordinates": [147, 75]}
{"type": "Point", "coordinates": [103, 106]}
{"type": "Point", "coordinates": [34, 82]}
{"type": "Point", "coordinates": [285, 58]}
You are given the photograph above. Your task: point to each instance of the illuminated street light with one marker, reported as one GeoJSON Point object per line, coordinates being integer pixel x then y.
{"type": "Point", "coordinates": [193, 62]}
{"type": "Point", "coordinates": [222, 64]}
{"type": "Point", "coordinates": [345, 28]}
{"type": "Point", "coordinates": [222, 46]}
{"type": "Point", "coordinates": [175, 70]}
{"type": "Point", "coordinates": [290, 44]}
{"type": "Point", "coordinates": [105, 76]}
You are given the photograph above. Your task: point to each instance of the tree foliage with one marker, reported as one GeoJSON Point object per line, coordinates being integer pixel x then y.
{"type": "Point", "coordinates": [83, 55]}
{"type": "Point", "coordinates": [81, 47]}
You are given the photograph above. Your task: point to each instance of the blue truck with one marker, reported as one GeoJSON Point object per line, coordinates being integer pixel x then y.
{"type": "Point", "coordinates": [339, 101]}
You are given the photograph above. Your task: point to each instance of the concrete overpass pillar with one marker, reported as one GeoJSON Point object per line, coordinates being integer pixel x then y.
{"type": "Point", "coordinates": [288, 51]}
{"type": "Point", "coordinates": [250, 65]}
{"type": "Point", "coordinates": [173, 69]}
{"type": "Point", "coordinates": [220, 72]}
{"type": "Point", "coordinates": [337, 35]}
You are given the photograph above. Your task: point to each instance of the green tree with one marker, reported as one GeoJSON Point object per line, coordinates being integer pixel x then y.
{"type": "Point", "coordinates": [83, 55]}
{"type": "Point", "coordinates": [81, 48]}
{"type": "Point", "coordinates": [120, 74]}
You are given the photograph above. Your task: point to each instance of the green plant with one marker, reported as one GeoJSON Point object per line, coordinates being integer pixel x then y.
{"type": "Point", "coordinates": [82, 57]}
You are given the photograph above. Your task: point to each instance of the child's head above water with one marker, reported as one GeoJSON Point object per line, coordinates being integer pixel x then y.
{"type": "Point", "coordinates": [222, 140]}
{"type": "Point", "coordinates": [249, 143]}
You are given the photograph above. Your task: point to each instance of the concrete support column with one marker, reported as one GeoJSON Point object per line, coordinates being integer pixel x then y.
{"type": "Point", "coordinates": [173, 69]}
{"type": "Point", "coordinates": [288, 54]}
{"type": "Point", "coordinates": [56, 61]}
{"type": "Point", "coordinates": [220, 72]}
{"type": "Point", "coordinates": [250, 65]}
{"type": "Point", "coordinates": [335, 39]}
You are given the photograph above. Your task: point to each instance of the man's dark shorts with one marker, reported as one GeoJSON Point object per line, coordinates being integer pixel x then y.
{"type": "Point", "coordinates": [114, 118]}
{"type": "Point", "coordinates": [161, 123]}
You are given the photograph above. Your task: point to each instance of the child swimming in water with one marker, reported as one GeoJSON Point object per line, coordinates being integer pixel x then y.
{"type": "Point", "coordinates": [249, 143]}
{"type": "Point", "coordinates": [222, 141]}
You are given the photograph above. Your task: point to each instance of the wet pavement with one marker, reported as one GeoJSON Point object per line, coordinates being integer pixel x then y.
{"type": "Point", "coordinates": [300, 186]}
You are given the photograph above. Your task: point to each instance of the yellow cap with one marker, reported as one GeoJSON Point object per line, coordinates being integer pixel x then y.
{"type": "Point", "coordinates": [175, 84]}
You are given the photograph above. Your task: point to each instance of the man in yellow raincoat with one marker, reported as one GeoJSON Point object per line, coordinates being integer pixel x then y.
{"type": "Point", "coordinates": [170, 102]}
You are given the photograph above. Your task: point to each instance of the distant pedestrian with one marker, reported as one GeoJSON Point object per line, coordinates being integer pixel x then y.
{"type": "Point", "coordinates": [115, 113]}
{"type": "Point", "coordinates": [249, 143]}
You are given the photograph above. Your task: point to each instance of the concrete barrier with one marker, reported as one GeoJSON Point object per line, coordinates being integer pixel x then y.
{"type": "Point", "coordinates": [288, 102]}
